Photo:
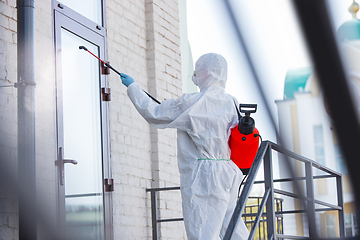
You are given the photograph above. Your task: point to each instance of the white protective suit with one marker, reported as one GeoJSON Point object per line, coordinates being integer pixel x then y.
{"type": "Point", "coordinates": [209, 179]}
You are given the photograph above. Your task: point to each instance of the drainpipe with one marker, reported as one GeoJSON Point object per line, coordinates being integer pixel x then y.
{"type": "Point", "coordinates": [26, 120]}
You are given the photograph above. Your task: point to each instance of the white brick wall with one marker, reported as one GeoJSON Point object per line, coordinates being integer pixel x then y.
{"type": "Point", "coordinates": [142, 40]}
{"type": "Point", "coordinates": [8, 126]}
{"type": "Point", "coordinates": [45, 112]}
{"type": "Point", "coordinates": [164, 47]}
{"type": "Point", "coordinates": [130, 147]}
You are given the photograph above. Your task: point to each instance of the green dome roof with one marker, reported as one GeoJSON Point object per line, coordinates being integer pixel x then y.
{"type": "Point", "coordinates": [295, 81]}
{"type": "Point", "coordinates": [350, 30]}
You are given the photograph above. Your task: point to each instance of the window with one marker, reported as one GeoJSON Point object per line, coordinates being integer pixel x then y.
{"type": "Point", "coordinates": [330, 225]}
{"type": "Point", "coordinates": [339, 159]}
{"type": "Point", "coordinates": [91, 9]}
{"type": "Point", "coordinates": [319, 145]}
{"type": "Point", "coordinates": [350, 225]}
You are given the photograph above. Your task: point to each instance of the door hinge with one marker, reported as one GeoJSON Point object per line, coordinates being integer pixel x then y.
{"type": "Point", "coordinates": [106, 92]}
{"type": "Point", "coordinates": [105, 70]}
{"type": "Point", "coordinates": [109, 185]}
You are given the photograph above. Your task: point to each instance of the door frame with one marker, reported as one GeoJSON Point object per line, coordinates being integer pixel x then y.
{"type": "Point", "coordinates": [66, 18]}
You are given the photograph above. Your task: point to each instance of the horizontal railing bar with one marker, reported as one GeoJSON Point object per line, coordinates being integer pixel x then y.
{"type": "Point", "coordinates": [252, 221]}
{"type": "Point", "coordinates": [170, 220]}
{"type": "Point", "coordinates": [256, 205]}
{"type": "Point", "coordinates": [261, 220]}
{"type": "Point", "coordinates": [303, 211]}
{"type": "Point", "coordinates": [278, 214]}
{"type": "Point", "coordinates": [326, 209]}
{"type": "Point", "coordinates": [83, 195]}
{"type": "Point", "coordinates": [295, 156]}
{"type": "Point", "coordinates": [306, 198]}
{"type": "Point", "coordinates": [327, 204]}
{"type": "Point", "coordinates": [256, 182]}
{"type": "Point", "coordinates": [276, 198]}
{"type": "Point", "coordinates": [250, 206]}
{"type": "Point", "coordinates": [162, 189]}
{"type": "Point", "coordinates": [296, 179]}
{"type": "Point", "coordinates": [289, 194]}
{"type": "Point", "coordinates": [290, 179]}
{"type": "Point", "coordinates": [293, 211]}
{"type": "Point", "coordinates": [323, 176]}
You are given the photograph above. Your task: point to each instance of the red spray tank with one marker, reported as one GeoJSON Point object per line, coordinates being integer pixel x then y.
{"type": "Point", "coordinates": [244, 139]}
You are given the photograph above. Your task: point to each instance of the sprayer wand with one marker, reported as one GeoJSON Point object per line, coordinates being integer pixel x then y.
{"type": "Point", "coordinates": [109, 66]}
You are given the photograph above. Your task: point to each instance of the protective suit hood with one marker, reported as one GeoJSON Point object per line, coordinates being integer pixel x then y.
{"type": "Point", "coordinates": [210, 71]}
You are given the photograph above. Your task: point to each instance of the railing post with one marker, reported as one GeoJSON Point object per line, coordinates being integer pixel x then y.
{"type": "Point", "coordinates": [310, 205]}
{"type": "Point", "coordinates": [340, 204]}
{"type": "Point", "coordinates": [154, 215]}
{"type": "Point", "coordinates": [270, 205]}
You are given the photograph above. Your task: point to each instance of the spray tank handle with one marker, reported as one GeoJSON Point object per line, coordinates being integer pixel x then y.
{"type": "Point", "coordinates": [246, 123]}
{"type": "Point", "coordinates": [248, 108]}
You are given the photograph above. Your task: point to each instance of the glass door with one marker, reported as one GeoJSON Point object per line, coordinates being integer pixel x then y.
{"type": "Point", "coordinates": [80, 136]}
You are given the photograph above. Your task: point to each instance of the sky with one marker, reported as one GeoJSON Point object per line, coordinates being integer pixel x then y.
{"type": "Point", "coordinates": [273, 38]}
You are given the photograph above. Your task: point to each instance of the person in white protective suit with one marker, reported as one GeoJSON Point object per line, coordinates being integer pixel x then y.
{"type": "Point", "coordinates": [209, 180]}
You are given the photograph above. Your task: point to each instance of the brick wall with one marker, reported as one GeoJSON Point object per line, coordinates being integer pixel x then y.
{"type": "Point", "coordinates": [142, 40]}
{"type": "Point", "coordinates": [8, 114]}
{"type": "Point", "coordinates": [130, 147]}
{"type": "Point", "coordinates": [45, 114]}
{"type": "Point", "coordinates": [45, 132]}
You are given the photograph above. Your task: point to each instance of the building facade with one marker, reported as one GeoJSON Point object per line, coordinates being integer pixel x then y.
{"type": "Point", "coordinates": [94, 157]}
{"type": "Point", "coordinates": [305, 126]}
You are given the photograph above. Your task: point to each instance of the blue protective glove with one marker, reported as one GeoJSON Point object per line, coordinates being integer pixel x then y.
{"type": "Point", "coordinates": [126, 79]}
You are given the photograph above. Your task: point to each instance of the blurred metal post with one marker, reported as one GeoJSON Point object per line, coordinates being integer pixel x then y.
{"type": "Point", "coordinates": [319, 34]}
{"type": "Point", "coordinates": [310, 195]}
{"type": "Point", "coordinates": [270, 204]}
{"type": "Point", "coordinates": [154, 215]}
{"type": "Point", "coordinates": [26, 119]}
{"type": "Point", "coordinates": [340, 199]}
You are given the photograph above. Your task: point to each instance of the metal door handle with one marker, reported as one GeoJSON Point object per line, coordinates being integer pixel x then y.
{"type": "Point", "coordinates": [70, 161]}
{"type": "Point", "coordinates": [60, 164]}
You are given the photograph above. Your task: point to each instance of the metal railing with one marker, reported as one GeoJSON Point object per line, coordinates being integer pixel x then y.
{"type": "Point", "coordinates": [272, 218]}
{"type": "Point", "coordinates": [264, 156]}
{"type": "Point", "coordinates": [154, 210]}
{"type": "Point", "coordinates": [248, 215]}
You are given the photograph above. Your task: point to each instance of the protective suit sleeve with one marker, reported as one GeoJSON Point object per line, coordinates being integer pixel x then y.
{"type": "Point", "coordinates": [158, 115]}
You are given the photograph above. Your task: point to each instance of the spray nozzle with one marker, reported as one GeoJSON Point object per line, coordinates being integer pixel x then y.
{"type": "Point", "coordinates": [82, 47]}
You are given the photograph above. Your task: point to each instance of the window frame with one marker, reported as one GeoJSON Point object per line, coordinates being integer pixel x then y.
{"type": "Point", "coordinates": [319, 144]}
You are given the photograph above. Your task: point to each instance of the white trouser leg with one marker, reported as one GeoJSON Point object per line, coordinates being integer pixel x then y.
{"type": "Point", "coordinates": [240, 232]}
{"type": "Point", "coordinates": [206, 198]}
